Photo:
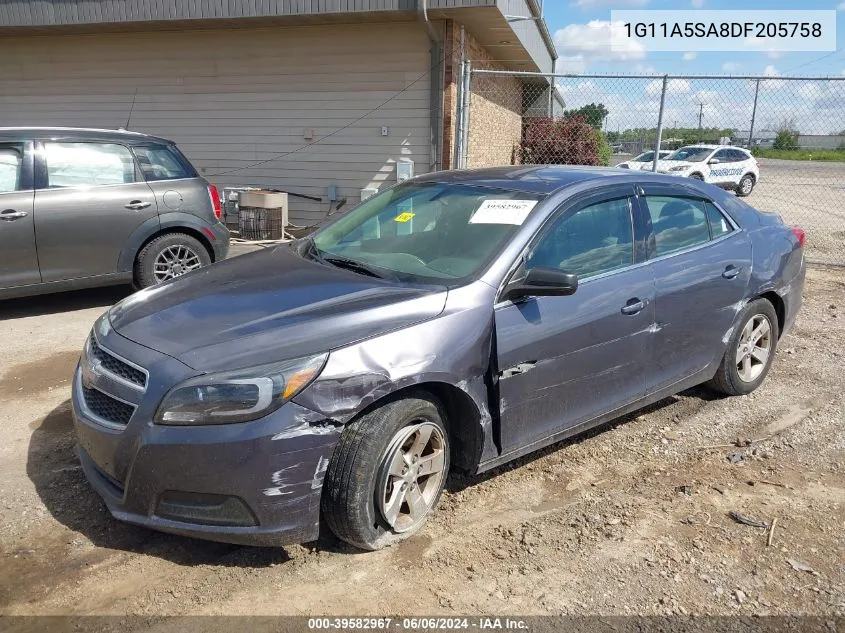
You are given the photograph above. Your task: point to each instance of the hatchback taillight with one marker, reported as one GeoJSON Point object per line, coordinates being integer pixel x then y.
{"type": "Point", "coordinates": [214, 194]}
{"type": "Point", "coordinates": [799, 235]}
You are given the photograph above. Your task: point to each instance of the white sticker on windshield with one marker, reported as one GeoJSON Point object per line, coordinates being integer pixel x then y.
{"type": "Point", "coordinates": [503, 212]}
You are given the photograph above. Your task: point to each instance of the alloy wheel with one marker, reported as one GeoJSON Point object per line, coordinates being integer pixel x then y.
{"type": "Point", "coordinates": [746, 186]}
{"type": "Point", "coordinates": [175, 261]}
{"type": "Point", "coordinates": [411, 475]}
{"type": "Point", "coordinates": [754, 348]}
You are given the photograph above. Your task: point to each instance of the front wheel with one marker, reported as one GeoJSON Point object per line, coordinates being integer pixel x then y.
{"type": "Point", "coordinates": [750, 350]}
{"type": "Point", "coordinates": [387, 473]}
{"type": "Point", "coordinates": [746, 186]}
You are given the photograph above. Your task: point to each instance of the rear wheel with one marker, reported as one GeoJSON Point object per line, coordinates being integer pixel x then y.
{"type": "Point", "coordinates": [169, 256]}
{"type": "Point", "coordinates": [750, 351]}
{"type": "Point", "coordinates": [387, 473]}
{"type": "Point", "coordinates": [696, 176]}
{"type": "Point", "coordinates": [746, 186]}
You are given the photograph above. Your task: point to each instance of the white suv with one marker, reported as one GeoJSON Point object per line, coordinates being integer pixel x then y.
{"type": "Point", "coordinates": [721, 165]}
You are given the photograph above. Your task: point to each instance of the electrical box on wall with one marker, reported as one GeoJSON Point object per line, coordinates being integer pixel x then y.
{"type": "Point", "coordinates": [404, 169]}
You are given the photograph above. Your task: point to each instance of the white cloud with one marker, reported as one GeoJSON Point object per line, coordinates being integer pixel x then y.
{"type": "Point", "coordinates": [644, 69]}
{"type": "Point", "coordinates": [697, 4]}
{"type": "Point", "coordinates": [688, 57]}
{"type": "Point", "coordinates": [575, 64]}
{"type": "Point", "coordinates": [731, 67]}
{"type": "Point", "coordinates": [811, 91]}
{"type": "Point", "coordinates": [674, 87]}
{"type": "Point", "coordinates": [771, 71]}
{"type": "Point", "coordinates": [617, 4]}
{"type": "Point", "coordinates": [775, 54]}
{"type": "Point", "coordinates": [592, 42]}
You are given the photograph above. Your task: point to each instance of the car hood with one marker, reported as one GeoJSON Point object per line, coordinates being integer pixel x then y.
{"type": "Point", "coordinates": [665, 165]}
{"type": "Point", "coordinates": [268, 306]}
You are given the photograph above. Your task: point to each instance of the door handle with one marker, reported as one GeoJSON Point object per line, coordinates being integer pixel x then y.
{"type": "Point", "coordinates": [731, 272]}
{"type": "Point", "coordinates": [633, 306]}
{"type": "Point", "coordinates": [10, 215]}
{"type": "Point", "coordinates": [137, 205]}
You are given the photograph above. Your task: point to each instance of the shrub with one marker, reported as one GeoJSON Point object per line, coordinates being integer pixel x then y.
{"type": "Point", "coordinates": [567, 141]}
{"type": "Point", "coordinates": [605, 150]}
{"type": "Point", "coordinates": [786, 139]}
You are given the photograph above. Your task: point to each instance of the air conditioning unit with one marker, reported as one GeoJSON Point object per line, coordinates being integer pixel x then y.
{"type": "Point", "coordinates": [262, 215]}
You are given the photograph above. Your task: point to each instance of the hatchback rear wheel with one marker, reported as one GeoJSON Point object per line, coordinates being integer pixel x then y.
{"type": "Point", "coordinates": [169, 256]}
{"type": "Point", "coordinates": [387, 473]}
{"type": "Point", "coordinates": [746, 186]}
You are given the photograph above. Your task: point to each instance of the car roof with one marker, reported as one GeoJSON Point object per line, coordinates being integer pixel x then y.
{"type": "Point", "coordinates": [546, 179]}
{"type": "Point", "coordinates": [78, 133]}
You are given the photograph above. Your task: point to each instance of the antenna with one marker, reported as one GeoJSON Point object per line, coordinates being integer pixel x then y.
{"type": "Point", "coordinates": [131, 109]}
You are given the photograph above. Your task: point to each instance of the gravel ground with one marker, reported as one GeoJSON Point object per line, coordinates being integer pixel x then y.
{"type": "Point", "coordinates": [630, 519]}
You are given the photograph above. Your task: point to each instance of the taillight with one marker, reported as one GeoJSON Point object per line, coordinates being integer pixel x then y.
{"type": "Point", "coordinates": [799, 235]}
{"type": "Point", "coordinates": [214, 194]}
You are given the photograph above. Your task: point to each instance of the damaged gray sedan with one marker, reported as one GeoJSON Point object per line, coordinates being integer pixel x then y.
{"type": "Point", "coordinates": [456, 321]}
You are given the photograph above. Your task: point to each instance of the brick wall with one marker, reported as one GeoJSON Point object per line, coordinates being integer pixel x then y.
{"type": "Point", "coordinates": [495, 129]}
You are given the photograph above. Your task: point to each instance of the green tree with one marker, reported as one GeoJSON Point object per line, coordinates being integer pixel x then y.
{"type": "Point", "coordinates": [593, 113]}
{"type": "Point", "coordinates": [786, 139]}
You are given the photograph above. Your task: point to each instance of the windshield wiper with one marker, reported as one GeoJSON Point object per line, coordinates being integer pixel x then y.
{"type": "Point", "coordinates": [310, 250]}
{"type": "Point", "coordinates": [353, 265]}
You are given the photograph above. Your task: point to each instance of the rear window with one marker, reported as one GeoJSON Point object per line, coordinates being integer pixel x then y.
{"type": "Point", "coordinates": [163, 162]}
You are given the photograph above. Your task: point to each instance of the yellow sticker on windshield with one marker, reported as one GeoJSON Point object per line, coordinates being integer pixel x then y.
{"type": "Point", "coordinates": [403, 217]}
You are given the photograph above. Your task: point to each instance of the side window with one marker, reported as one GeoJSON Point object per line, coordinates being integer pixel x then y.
{"type": "Point", "coordinates": [159, 162]}
{"type": "Point", "coordinates": [718, 223]}
{"type": "Point", "coordinates": [678, 223]}
{"type": "Point", "coordinates": [724, 156]}
{"type": "Point", "coordinates": [11, 160]}
{"type": "Point", "coordinates": [88, 164]}
{"type": "Point", "coordinates": [739, 156]}
{"type": "Point", "coordinates": [593, 240]}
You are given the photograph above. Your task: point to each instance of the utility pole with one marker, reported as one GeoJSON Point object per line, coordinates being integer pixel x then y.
{"type": "Point", "coordinates": [700, 116]}
{"type": "Point", "coordinates": [753, 116]}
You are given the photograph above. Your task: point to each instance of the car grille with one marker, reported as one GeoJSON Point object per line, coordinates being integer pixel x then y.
{"type": "Point", "coordinates": [106, 407]}
{"type": "Point", "coordinates": [117, 367]}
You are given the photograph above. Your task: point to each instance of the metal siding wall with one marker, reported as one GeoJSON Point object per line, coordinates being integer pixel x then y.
{"type": "Point", "coordinates": [231, 98]}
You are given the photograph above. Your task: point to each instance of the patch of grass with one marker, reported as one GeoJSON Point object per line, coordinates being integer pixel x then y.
{"type": "Point", "coordinates": [835, 155]}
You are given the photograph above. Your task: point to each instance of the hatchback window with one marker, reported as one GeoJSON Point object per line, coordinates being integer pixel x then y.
{"type": "Point", "coordinates": [594, 240]}
{"type": "Point", "coordinates": [678, 223]}
{"type": "Point", "coordinates": [739, 156]}
{"type": "Point", "coordinates": [10, 169]}
{"type": "Point", "coordinates": [160, 162]}
{"type": "Point", "coordinates": [718, 224]}
{"type": "Point", "coordinates": [426, 232]}
{"type": "Point", "coordinates": [88, 164]}
{"type": "Point", "coordinates": [690, 154]}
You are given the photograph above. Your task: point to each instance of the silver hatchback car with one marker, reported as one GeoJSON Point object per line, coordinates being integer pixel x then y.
{"type": "Point", "coordinates": [84, 207]}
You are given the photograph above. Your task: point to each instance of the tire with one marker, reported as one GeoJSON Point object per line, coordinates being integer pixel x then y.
{"type": "Point", "coordinates": [729, 378]}
{"type": "Point", "coordinates": [745, 186]}
{"type": "Point", "coordinates": [696, 176]}
{"type": "Point", "coordinates": [359, 485]}
{"type": "Point", "coordinates": [168, 247]}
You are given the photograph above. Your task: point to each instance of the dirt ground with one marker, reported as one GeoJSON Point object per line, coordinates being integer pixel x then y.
{"type": "Point", "coordinates": [632, 519]}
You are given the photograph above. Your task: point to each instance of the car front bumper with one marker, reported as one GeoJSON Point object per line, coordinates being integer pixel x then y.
{"type": "Point", "coordinates": [255, 483]}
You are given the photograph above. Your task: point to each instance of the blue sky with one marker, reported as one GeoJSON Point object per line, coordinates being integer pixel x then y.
{"type": "Point", "coordinates": [581, 32]}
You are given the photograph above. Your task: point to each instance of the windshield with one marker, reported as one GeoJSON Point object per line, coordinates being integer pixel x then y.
{"type": "Point", "coordinates": [690, 154]}
{"type": "Point", "coordinates": [425, 232]}
{"type": "Point", "coordinates": [644, 157]}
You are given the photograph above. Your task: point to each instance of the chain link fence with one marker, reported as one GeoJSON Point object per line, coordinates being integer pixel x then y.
{"type": "Point", "coordinates": [794, 127]}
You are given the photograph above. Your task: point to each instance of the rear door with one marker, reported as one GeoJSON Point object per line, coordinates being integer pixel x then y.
{"type": "Point", "coordinates": [90, 198]}
{"type": "Point", "coordinates": [702, 265]}
{"type": "Point", "coordinates": [18, 258]}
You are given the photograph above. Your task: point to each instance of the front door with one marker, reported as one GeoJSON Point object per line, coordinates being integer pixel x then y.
{"type": "Point", "coordinates": [565, 360]}
{"type": "Point", "coordinates": [90, 199]}
{"type": "Point", "coordinates": [18, 257]}
{"type": "Point", "coordinates": [702, 266]}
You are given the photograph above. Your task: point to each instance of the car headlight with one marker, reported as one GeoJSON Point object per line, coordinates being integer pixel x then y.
{"type": "Point", "coordinates": [235, 396]}
{"type": "Point", "coordinates": [678, 168]}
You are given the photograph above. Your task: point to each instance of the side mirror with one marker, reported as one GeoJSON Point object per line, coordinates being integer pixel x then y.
{"type": "Point", "coordinates": [713, 161]}
{"type": "Point", "coordinates": [542, 282]}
